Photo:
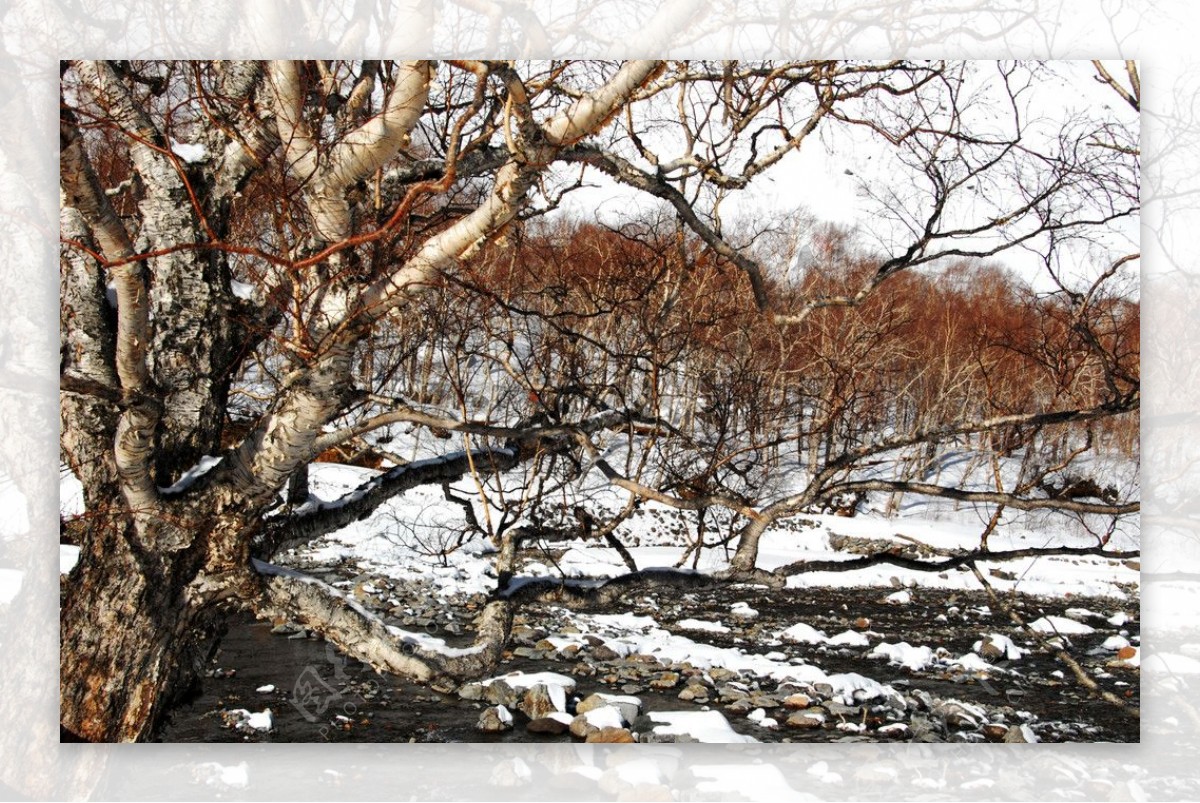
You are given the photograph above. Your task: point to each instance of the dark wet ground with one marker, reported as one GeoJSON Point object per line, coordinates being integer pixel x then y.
{"type": "Point", "coordinates": [320, 696]}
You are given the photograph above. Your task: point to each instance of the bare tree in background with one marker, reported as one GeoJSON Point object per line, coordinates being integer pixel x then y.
{"type": "Point", "coordinates": [286, 232]}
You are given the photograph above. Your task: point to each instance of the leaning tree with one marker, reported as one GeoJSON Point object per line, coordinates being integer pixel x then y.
{"type": "Point", "coordinates": [266, 230]}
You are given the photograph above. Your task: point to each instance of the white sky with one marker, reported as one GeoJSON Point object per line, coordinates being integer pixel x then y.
{"type": "Point", "coordinates": [814, 179]}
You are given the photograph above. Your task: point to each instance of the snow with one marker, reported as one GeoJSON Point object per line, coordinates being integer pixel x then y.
{"type": "Point", "coordinates": [242, 290]}
{"type": "Point", "coordinates": [190, 152]}
{"type": "Point", "coordinates": [189, 477]}
{"type": "Point", "coordinates": [899, 598]}
{"type": "Point", "coordinates": [742, 610]}
{"type": "Point", "coordinates": [267, 689]}
{"type": "Point", "coordinates": [696, 624]}
{"type": "Point", "coordinates": [1060, 625]}
{"type": "Point", "coordinates": [703, 726]}
{"type": "Point", "coordinates": [68, 556]}
{"type": "Point", "coordinates": [557, 686]}
{"type": "Point", "coordinates": [1115, 643]}
{"type": "Point", "coordinates": [70, 495]}
{"type": "Point", "coordinates": [903, 654]}
{"type": "Point", "coordinates": [801, 633]}
{"type": "Point", "coordinates": [605, 716]}
{"type": "Point", "coordinates": [261, 721]}
{"type": "Point", "coordinates": [1003, 643]}
{"type": "Point", "coordinates": [849, 638]}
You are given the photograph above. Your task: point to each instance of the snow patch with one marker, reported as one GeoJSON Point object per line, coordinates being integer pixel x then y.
{"type": "Point", "coordinates": [801, 633]}
{"type": "Point", "coordinates": [703, 726]}
{"type": "Point", "coordinates": [68, 557]}
{"type": "Point", "coordinates": [1060, 625]}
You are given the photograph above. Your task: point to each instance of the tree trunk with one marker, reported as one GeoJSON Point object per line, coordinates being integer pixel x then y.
{"type": "Point", "coordinates": [127, 649]}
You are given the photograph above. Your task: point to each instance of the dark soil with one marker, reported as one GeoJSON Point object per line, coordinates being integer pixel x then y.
{"type": "Point", "coordinates": [320, 696]}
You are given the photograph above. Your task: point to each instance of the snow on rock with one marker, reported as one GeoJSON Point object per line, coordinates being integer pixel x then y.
{"type": "Point", "coordinates": [703, 726]}
{"type": "Point", "coordinates": [267, 689]}
{"type": "Point", "coordinates": [606, 716]}
{"type": "Point", "coordinates": [899, 598]}
{"type": "Point", "coordinates": [998, 645]}
{"type": "Point", "coordinates": [696, 624]}
{"type": "Point", "coordinates": [903, 654]}
{"type": "Point", "coordinates": [1118, 619]}
{"type": "Point", "coordinates": [557, 686]}
{"type": "Point", "coordinates": [742, 610]}
{"type": "Point", "coordinates": [244, 720]}
{"type": "Point", "coordinates": [801, 633]}
{"type": "Point", "coordinates": [849, 638]}
{"type": "Point", "coordinates": [1115, 643]}
{"type": "Point", "coordinates": [1060, 625]}
{"type": "Point", "coordinates": [68, 556]}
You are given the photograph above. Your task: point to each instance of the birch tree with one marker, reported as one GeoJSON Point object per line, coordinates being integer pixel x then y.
{"type": "Point", "coordinates": [228, 225]}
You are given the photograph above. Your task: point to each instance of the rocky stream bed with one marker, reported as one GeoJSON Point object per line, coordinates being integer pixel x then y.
{"type": "Point", "coordinates": [276, 682]}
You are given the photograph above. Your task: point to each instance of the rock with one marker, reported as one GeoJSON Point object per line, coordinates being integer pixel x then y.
{"type": "Point", "coordinates": [740, 707]}
{"type": "Point", "coordinates": [1020, 734]}
{"type": "Point", "coordinates": [628, 707]}
{"type": "Point", "coordinates": [498, 692]}
{"type": "Point", "coordinates": [604, 653]}
{"type": "Point", "coordinates": [862, 623]}
{"type": "Point", "coordinates": [720, 674]}
{"type": "Point", "coordinates": [540, 701]}
{"type": "Point", "coordinates": [730, 693]}
{"type": "Point", "coordinates": [797, 701]}
{"type": "Point", "coordinates": [760, 700]}
{"type": "Point", "coordinates": [1126, 652]}
{"type": "Point", "coordinates": [444, 685]}
{"type": "Point", "coordinates": [472, 691]}
{"type": "Point", "coordinates": [696, 692]}
{"type": "Point", "coordinates": [805, 720]}
{"type": "Point", "coordinates": [547, 725]}
{"type": "Point", "coordinates": [895, 730]}
{"type": "Point", "coordinates": [823, 690]}
{"type": "Point", "coordinates": [495, 720]}
{"type": "Point", "coordinates": [842, 710]}
{"type": "Point", "coordinates": [990, 650]}
{"type": "Point", "coordinates": [580, 727]}
{"type": "Point", "coordinates": [664, 681]}
{"type": "Point", "coordinates": [956, 715]}
{"type": "Point", "coordinates": [994, 732]}
{"type": "Point", "coordinates": [611, 736]}
{"type": "Point", "coordinates": [650, 737]}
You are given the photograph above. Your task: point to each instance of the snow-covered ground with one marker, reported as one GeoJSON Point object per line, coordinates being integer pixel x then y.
{"type": "Point", "coordinates": [420, 537]}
